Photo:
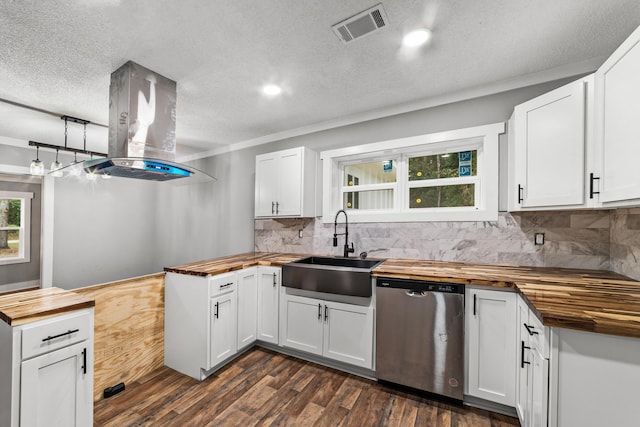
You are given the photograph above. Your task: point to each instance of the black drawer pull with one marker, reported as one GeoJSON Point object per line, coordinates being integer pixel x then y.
{"type": "Point", "coordinates": [522, 349]}
{"type": "Point", "coordinates": [530, 329]}
{"type": "Point", "coordinates": [69, 332]}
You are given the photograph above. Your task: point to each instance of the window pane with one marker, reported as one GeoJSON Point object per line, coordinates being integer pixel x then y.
{"type": "Point", "coordinates": [445, 196]}
{"type": "Point", "coordinates": [10, 212]}
{"type": "Point", "coordinates": [9, 243]}
{"type": "Point", "coordinates": [448, 165]}
{"type": "Point", "coordinates": [370, 173]}
{"type": "Point", "coordinates": [363, 200]}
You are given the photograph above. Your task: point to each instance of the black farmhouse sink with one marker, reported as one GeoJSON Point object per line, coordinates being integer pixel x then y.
{"type": "Point", "coordinates": [345, 276]}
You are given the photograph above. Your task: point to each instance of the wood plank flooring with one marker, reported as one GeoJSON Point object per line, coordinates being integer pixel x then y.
{"type": "Point", "coordinates": [265, 388]}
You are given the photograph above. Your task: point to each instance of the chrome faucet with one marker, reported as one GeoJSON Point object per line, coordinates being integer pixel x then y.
{"type": "Point", "coordinates": [347, 249]}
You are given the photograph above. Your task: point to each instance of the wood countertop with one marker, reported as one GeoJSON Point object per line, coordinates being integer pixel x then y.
{"type": "Point", "coordinates": [588, 300]}
{"type": "Point", "coordinates": [22, 307]}
{"type": "Point", "coordinates": [234, 262]}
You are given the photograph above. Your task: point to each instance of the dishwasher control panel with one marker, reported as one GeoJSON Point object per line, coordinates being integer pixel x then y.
{"type": "Point", "coordinates": [420, 285]}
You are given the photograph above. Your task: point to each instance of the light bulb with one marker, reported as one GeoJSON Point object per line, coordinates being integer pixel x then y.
{"type": "Point", "coordinates": [416, 38]}
{"type": "Point", "coordinates": [55, 169]}
{"type": "Point", "coordinates": [91, 176]}
{"type": "Point", "coordinates": [36, 167]}
{"type": "Point", "coordinates": [271, 90]}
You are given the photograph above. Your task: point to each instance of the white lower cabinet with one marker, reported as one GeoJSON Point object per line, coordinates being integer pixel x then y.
{"type": "Point", "coordinates": [268, 303]}
{"type": "Point", "coordinates": [338, 331]}
{"type": "Point", "coordinates": [490, 317]}
{"type": "Point", "coordinates": [533, 372]}
{"type": "Point", "coordinates": [247, 306]}
{"type": "Point", "coordinates": [200, 322]}
{"type": "Point", "coordinates": [223, 328]}
{"type": "Point", "coordinates": [47, 372]}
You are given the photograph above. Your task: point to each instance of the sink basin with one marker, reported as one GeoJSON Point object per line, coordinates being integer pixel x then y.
{"type": "Point", "coordinates": [345, 276]}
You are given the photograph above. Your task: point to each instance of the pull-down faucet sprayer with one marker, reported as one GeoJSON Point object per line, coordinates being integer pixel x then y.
{"type": "Point", "coordinates": [347, 249]}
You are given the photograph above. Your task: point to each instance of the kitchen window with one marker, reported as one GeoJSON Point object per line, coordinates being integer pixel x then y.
{"type": "Point", "coordinates": [15, 227]}
{"type": "Point", "coordinates": [449, 176]}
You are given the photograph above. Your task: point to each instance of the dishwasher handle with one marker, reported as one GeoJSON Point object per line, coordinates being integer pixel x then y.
{"type": "Point", "coordinates": [415, 294]}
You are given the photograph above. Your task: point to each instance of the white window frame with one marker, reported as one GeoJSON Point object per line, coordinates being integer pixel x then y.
{"type": "Point", "coordinates": [24, 244]}
{"type": "Point", "coordinates": [484, 139]}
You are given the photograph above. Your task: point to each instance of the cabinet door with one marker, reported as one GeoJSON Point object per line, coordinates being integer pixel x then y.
{"type": "Point", "coordinates": [223, 328]}
{"type": "Point", "coordinates": [266, 184]}
{"type": "Point", "coordinates": [302, 323]}
{"type": "Point", "coordinates": [524, 363]}
{"type": "Point", "coordinates": [617, 124]}
{"type": "Point", "coordinates": [538, 390]}
{"type": "Point", "coordinates": [348, 333]}
{"type": "Point", "coordinates": [289, 202]}
{"type": "Point", "coordinates": [549, 148]}
{"type": "Point", "coordinates": [491, 338]}
{"type": "Point", "coordinates": [247, 306]}
{"type": "Point", "coordinates": [268, 303]}
{"type": "Point", "coordinates": [56, 388]}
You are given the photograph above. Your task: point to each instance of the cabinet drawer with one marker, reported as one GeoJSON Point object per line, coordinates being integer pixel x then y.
{"type": "Point", "coordinates": [222, 283]}
{"type": "Point", "coordinates": [539, 335]}
{"type": "Point", "coordinates": [54, 333]}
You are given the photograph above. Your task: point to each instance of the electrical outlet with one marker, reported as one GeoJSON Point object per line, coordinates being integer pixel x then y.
{"type": "Point", "coordinates": [538, 238]}
{"type": "Point", "coordinates": [300, 233]}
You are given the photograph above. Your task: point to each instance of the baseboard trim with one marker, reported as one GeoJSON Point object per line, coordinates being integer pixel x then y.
{"type": "Point", "coordinates": [477, 402]}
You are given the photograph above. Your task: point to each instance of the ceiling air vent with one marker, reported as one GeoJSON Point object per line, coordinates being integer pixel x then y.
{"type": "Point", "coordinates": [367, 22]}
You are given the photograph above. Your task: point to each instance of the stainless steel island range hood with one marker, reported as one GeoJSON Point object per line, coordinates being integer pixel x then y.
{"type": "Point", "coordinates": [142, 129]}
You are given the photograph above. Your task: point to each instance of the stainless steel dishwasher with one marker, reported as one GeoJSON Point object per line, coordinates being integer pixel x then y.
{"type": "Point", "coordinates": [420, 335]}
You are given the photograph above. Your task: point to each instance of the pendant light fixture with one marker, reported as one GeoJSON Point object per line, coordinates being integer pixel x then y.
{"type": "Point", "coordinates": [57, 169]}
{"type": "Point", "coordinates": [37, 167]}
{"type": "Point", "coordinates": [54, 170]}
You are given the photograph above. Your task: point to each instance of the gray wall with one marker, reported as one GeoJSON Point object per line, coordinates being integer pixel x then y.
{"type": "Point", "coordinates": [236, 170]}
{"type": "Point", "coordinates": [26, 271]}
{"type": "Point", "coordinates": [104, 231]}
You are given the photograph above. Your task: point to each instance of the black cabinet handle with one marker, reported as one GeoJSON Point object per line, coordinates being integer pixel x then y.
{"type": "Point", "coordinates": [522, 349]}
{"type": "Point", "coordinates": [273, 204]}
{"type": "Point", "coordinates": [326, 313]}
{"type": "Point", "coordinates": [319, 311]}
{"type": "Point", "coordinates": [69, 332]}
{"type": "Point", "coordinates": [474, 304]}
{"type": "Point", "coordinates": [274, 279]}
{"type": "Point", "coordinates": [84, 361]}
{"type": "Point", "coordinates": [591, 179]}
{"type": "Point", "coordinates": [215, 313]}
{"type": "Point", "coordinates": [277, 208]}
{"type": "Point", "coordinates": [530, 329]}
{"type": "Point", "coordinates": [520, 198]}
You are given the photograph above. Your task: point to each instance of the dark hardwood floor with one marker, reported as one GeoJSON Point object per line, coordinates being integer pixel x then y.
{"type": "Point", "coordinates": [264, 388]}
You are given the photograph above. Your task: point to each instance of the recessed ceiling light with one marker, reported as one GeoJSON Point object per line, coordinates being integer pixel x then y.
{"type": "Point", "coordinates": [416, 38]}
{"type": "Point", "coordinates": [271, 90]}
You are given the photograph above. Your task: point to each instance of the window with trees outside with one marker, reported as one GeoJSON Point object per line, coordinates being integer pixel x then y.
{"type": "Point", "coordinates": [449, 176]}
{"type": "Point", "coordinates": [15, 217]}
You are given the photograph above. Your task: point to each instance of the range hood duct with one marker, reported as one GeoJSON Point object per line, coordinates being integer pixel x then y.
{"type": "Point", "coordinates": [142, 128]}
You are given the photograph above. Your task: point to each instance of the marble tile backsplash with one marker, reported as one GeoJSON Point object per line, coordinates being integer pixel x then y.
{"type": "Point", "coordinates": [578, 239]}
{"type": "Point", "coordinates": [625, 242]}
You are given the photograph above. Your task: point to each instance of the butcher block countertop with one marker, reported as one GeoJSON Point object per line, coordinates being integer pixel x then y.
{"type": "Point", "coordinates": [18, 308]}
{"type": "Point", "coordinates": [234, 262]}
{"type": "Point", "coordinates": [588, 300]}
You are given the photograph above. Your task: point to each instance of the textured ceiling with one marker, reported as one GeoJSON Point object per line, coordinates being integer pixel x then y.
{"type": "Point", "coordinates": [58, 56]}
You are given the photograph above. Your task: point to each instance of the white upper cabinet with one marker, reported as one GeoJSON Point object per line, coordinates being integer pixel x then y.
{"type": "Point", "coordinates": [618, 124]}
{"type": "Point", "coordinates": [285, 183]}
{"type": "Point", "coordinates": [550, 146]}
